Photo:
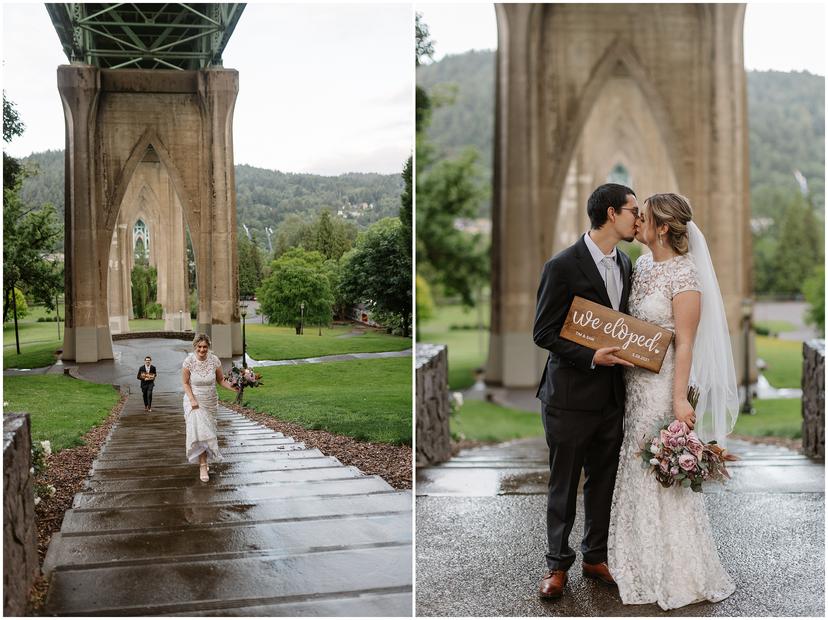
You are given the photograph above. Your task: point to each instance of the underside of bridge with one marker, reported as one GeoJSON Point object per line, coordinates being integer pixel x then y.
{"type": "Point", "coordinates": [149, 135]}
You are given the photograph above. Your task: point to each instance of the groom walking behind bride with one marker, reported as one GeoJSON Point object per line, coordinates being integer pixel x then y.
{"type": "Point", "coordinates": [582, 391]}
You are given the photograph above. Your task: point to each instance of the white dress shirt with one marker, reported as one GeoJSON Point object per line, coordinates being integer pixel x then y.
{"type": "Point", "coordinates": [598, 256]}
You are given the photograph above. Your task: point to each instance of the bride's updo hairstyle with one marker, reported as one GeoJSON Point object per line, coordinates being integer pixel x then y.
{"type": "Point", "coordinates": [675, 211]}
{"type": "Point", "coordinates": [201, 338]}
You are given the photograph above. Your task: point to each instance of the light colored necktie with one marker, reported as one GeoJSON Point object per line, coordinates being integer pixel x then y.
{"type": "Point", "coordinates": [612, 285]}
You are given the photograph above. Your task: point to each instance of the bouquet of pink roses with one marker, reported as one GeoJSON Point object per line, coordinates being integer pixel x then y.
{"type": "Point", "coordinates": [243, 377]}
{"type": "Point", "coordinates": [676, 456]}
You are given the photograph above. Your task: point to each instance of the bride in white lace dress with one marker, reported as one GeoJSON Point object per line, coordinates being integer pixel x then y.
{"type": "Point", "coordinates": [661, 549]}
{"type": "Point", "coordinates": [200, 372]}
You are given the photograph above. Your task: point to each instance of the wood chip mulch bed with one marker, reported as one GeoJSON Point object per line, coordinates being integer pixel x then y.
{"type": "Point", "coordinates": [391, 462]}
{"type": "Point", "coordinates": [66, 471]}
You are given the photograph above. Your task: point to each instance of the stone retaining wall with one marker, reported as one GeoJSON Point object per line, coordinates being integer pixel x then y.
{"type": "Point", "coordinates": [20, 563]}
{"type": "Point", "coordinates": [813, 398]}
{"type": "Point", "coordinates": [433, 408]}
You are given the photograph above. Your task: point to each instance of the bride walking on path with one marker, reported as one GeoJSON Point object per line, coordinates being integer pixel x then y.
{"type": "Point", "coordinates": [661, 548]}
{"type": "Point", "coordinates": [200, 373]}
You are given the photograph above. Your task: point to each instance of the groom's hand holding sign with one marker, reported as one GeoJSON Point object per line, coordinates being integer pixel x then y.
{"type": "Point", "coordinates": [606, 357]}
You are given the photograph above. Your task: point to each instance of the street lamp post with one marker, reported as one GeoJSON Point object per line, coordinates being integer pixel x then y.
{"type": "Point", "coordinates": [302, 318]}
{"type": "Point", "coordinates": [747, 315]}
{"type": "Point", "coordinates": [243, 312]}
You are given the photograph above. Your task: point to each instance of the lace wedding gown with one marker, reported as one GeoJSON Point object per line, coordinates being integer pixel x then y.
{"type": "Point", "coordinates": [661, 548]}
{"type": "Point", "coordinates": [201, 422]}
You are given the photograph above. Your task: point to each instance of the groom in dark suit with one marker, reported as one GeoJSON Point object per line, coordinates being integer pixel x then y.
{"type": "Point", "coordinates": [146, 374]}
{"type": "Point", "coordinates": [581, 390]}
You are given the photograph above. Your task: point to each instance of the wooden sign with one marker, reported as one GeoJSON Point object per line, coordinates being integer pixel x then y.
{"type": "Point", "coordinates": [595, 326]}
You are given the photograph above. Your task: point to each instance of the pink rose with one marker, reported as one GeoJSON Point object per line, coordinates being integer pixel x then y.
{"type": "Point", "coordinates": [687, 462]}
{"type": "Point", "coordinates": [677, 427]}
{"type": "Point", "coordinates": [681, 441]}
{"type": "Point", "coordinates": [664, 436]}
{"type": "Point", "coordinates": [672, 442]}
{"type": "Point", "coordinates": [674, 470]}
{"type": "Point", "coordinates": [695, 445]}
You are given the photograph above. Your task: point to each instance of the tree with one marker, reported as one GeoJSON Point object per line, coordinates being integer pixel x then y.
{"type": "Point", "coordinates": [378, 272]}
{"type": "Point", "coordinates": [12, 128]}
{"type": "Point", "coordinates": [144, 289]}
{"type": "Point", "coordinates": [425, 305]}
{"type": "Point", "coordinates": [297, 277]}
{"type": "Point", "coordinates": [22, 305]}
{"type": "Point", "coordinates": [814, 291]}
{"type": "Point", "coordinates": [329, 235]}
{"type": "Point", "coordinates": [407, 204]}
{"type": "Point", "coordinates": [342, 303]}
{"type": "Point", "coordinates": [799, 249]}
{"type": "Point", "coordinates": [29, 233]}
{"type": "Point", "coordinates": [250, 266]}
{"type": "Point", "coordinates": [453, 258]}
{"type": "Point", "coordinates": [447, 190]}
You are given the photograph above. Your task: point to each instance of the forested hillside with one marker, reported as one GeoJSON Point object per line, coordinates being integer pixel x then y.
{"type": "Point", "coordinates": [264, 197]}
{"type": "Point", "coordinates": [785, 110]}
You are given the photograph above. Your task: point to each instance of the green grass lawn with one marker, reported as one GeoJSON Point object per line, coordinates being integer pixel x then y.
{"type": "Point", "coordinates": [268, 342]}
{"type": "Point", "coordinates": [778, 417]}
{"type": "Point", "coordinates": [366, 399]}
{"type": "Point", "coordinates": [466, 349]}
{"type": "Point", "coordinates": [484, 421]}
{"type": "Point", "coordinates": [776, 327]}
{"type": "Point", "coordinates": [62, 409]}
{"type": "Point", "coordinates": [784, 360]}
{"type": "Point", "coordinates": [38, 342]}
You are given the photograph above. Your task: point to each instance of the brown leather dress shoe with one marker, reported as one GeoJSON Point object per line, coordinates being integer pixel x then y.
{"type": "Point", "coordinates": [553, 584]}
{"type": "Point", "coordinates": [599, 572]}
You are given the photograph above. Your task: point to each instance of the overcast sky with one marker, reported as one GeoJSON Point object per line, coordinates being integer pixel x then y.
{"type": "Point", "coordinates": [323, 88]}
{"type": "Point", "coordinates": [328, 88]}
{"type": "Point", "coordinates": [784, 37]}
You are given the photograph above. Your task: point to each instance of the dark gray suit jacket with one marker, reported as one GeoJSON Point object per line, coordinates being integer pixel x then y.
{"type": "Point", "coordinates": [568, 381]}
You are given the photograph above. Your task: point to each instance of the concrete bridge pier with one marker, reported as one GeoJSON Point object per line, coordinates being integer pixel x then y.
{"type": "Point", "coordinates": [113, 119]}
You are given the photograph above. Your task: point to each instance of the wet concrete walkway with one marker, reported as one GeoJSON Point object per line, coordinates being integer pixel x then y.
{"type": "Point", "coordinates": [481, 537]}
{"type": "Point", "coordinates": [280, 529]}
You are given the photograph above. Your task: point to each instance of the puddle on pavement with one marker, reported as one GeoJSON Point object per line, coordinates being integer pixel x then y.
{"type": "Point", "coordinates": [480, 482]}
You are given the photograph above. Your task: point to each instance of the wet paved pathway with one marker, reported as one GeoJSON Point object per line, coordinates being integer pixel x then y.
{"type": "Point", "coordinates": [481, 537]}
{"type": "Point", "coordinates": [279, 530]}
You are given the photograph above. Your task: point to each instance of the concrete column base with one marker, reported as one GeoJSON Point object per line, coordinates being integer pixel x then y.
{"type": "Point", "coordinates": [222, 338]}
{"type": "Point", "coordinates": [237, 338]}
{"type": "Point", "coordinates": [119, 324]}
{"type": "Point", "coordinates": [177, 322]}
{"type": "Point", "coordinates": [87, 344]}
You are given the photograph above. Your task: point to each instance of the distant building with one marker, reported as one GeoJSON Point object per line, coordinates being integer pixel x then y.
{"type": "Point", "coordinates": [361, 314]}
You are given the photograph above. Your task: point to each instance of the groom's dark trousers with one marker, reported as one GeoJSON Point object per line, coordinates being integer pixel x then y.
{"type": "Point", "coordinates": [582, 408]}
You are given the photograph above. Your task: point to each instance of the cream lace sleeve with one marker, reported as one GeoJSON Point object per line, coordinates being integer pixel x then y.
{"type": "Point", "coordinates": [684, 277]}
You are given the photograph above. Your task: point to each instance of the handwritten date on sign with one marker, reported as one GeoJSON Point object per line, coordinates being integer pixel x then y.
{"type": "Point", "coordinates": [595, 326]}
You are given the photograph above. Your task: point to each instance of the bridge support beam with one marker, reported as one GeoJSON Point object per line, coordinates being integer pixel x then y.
{"type": "Point", "coordinates": [558, 66]}
{"type": "Point", "coordinates": [112, 118]}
